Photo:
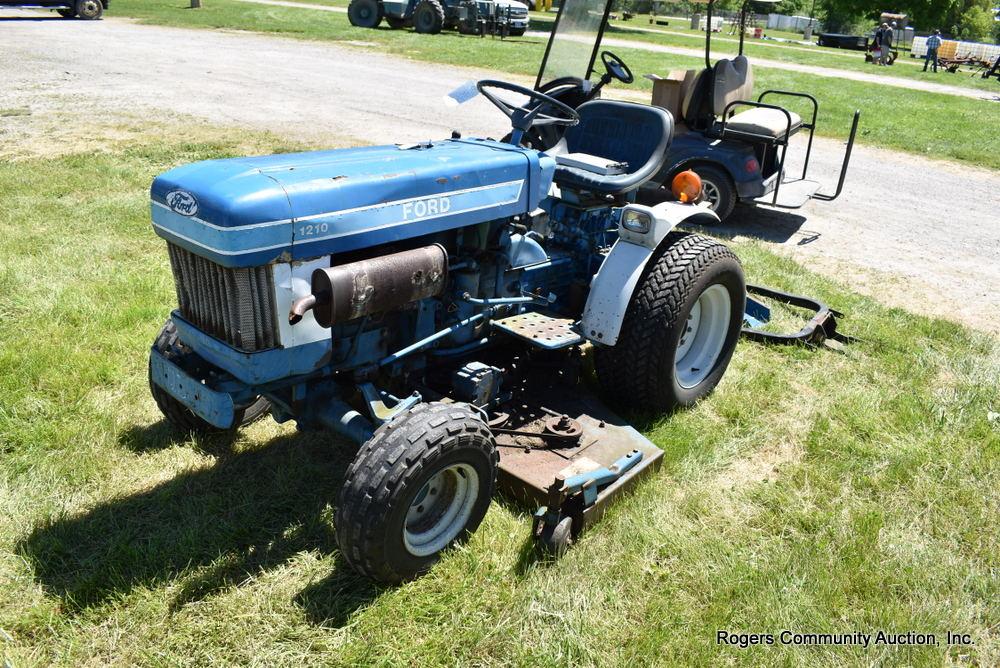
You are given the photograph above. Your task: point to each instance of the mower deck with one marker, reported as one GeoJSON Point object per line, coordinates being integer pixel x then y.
{"type": "Point", "coordinates": [569, 433]}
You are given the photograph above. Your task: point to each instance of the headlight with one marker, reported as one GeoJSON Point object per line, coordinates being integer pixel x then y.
{"type": "Point", "coordinates": [634, 220]}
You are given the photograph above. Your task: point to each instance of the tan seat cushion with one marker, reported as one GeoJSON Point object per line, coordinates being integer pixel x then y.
{"type": "Point", "coordinates": [767, 122]}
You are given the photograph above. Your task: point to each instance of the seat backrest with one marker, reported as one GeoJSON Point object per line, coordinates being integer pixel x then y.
{"type": "Point", "coordinates": [732, 81]}
{"type": "Point", "coordinates": [627, 132]}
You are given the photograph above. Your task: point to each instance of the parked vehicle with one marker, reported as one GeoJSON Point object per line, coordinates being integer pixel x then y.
{"type": "Point", "coordinates": [842, 41]}
{"type": "Point", "coordinates": [474, 17]}
{"type": "Point", "coordinates": [87, 10]}
{"type": "Point", "coordinates": [740, 157]}
{"type": "Point", "coordinates": [433, 302]}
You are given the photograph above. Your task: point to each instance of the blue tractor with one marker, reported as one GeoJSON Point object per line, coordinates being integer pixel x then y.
{"type": "Point", "coordinates": [438, 304]}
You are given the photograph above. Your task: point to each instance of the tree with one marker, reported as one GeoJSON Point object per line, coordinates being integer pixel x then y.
{"type": "Point", "coordinates": [976, 23]}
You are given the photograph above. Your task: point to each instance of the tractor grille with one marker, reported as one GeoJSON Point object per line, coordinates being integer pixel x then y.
{"type": "Point", "coordinates": [235, 305]}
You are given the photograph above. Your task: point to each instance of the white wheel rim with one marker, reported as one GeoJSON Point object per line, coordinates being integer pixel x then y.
{"type": "Point", "coordinates": [440, 510]}
{"type": "Point", "coordinates": [704, 336]}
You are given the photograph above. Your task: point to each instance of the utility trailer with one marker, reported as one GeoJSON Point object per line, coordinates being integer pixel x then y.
{"type": "Point", "coordinates": [88, 10]}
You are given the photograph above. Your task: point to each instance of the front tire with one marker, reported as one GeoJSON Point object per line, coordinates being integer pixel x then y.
{"type": "Point", "coordinates": [680, 329]}
{"type": "Point", "coordinates": [180, 416]}
{"type": "Point", "coordinates": [423, 482]}
{"type": "Point", "coordinates": [365, 13]}
{"type": "Point", "coordinates": [428, 17]}
{"type": "Point", "coordinates": [89, 10]}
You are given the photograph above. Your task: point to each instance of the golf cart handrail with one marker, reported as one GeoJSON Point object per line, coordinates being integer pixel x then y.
{"type": "Point", "coordinates": [811, 124]}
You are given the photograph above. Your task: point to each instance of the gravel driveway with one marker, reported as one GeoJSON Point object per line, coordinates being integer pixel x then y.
{"type": "Point", "coordinates": [891, 234]}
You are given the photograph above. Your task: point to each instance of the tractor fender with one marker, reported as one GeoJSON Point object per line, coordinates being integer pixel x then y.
{"type": "Point", "coordinates": [612, 287]}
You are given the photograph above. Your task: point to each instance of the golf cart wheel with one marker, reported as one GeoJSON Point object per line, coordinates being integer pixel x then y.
{"type": "Point", "coordinates": [365, 13]}
{"type": "Point", "coordinates": [89, 10]}
{"type": "Point", "coordinates": [717, 189]}
{"type": "Point", "coordinates": [428, 17]}
{"type": "Point", "coordinates": [396, 22]}
{"type": "Point", "coordinates": [67, 12]}
{"type": "Point", "coordinates": [423, 482]}
{"type": "Point", "coordinates": [555, 540]}
{"type": "Point", "coordinates": [680, 328]}
{"type": "Point", "coordinates": [179, 415]}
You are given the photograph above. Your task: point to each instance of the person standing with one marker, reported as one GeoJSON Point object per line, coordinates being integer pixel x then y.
{"type": "Point", "coordinates": [933, 42]}
{"type": "Point", "coordinates": [886, 44]}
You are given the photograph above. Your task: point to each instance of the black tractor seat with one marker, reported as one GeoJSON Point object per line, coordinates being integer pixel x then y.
{"type": "Point", "coordinates": [615, 148]}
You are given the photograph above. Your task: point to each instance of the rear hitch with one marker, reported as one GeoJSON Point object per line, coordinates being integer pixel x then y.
{"type": "Point", "coordinates": [821, 329]}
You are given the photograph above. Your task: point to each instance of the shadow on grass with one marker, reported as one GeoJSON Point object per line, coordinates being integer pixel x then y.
{"type": "Point", "coordinates": [207, 530]}
{"type": "Point", "coordinates": [770, 225]}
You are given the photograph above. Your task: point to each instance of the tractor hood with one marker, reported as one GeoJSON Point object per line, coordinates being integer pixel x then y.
{"type": "Point", "coordinates": [244, 212]}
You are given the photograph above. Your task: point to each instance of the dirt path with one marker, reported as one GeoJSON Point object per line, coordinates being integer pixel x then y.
{"type": "Point", "coordinates": [887, 235]}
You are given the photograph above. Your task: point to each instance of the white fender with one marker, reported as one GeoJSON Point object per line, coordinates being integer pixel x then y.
{"type": "Point", "coordinates": [641, 229]}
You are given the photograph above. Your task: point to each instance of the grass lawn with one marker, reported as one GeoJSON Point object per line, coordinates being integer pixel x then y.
{"type": "Point", "coordinates": [814, 491]}
{"type": "Point", "coordinates": [948, 126]}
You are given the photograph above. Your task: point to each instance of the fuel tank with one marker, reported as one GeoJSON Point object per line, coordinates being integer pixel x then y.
{"type": "Point", "coordinates": [243, 212]}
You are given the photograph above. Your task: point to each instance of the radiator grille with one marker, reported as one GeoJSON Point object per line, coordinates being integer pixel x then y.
{"type": "Point", "coordinates": [235, 305]}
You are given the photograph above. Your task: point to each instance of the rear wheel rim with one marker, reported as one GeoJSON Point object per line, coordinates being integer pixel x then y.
{"type": "Point", "coordinates": [711, 194]}
{"type": "Point", "coordinates": [704, 336]}
{"type": "Point", "coordinates": [440, 510]}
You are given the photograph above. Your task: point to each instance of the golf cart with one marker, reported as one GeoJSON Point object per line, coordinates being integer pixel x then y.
{"type": "Point", "coordinates": [740, 157]}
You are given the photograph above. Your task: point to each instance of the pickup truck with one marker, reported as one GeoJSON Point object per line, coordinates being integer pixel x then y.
{"type": "Point", "coordinates": [88, 10]}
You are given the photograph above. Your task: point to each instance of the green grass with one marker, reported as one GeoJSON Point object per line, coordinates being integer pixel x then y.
{"type": "Point", "coordinates": [937, 125]}
{"type": "Point", "coordinates": [813, 491]}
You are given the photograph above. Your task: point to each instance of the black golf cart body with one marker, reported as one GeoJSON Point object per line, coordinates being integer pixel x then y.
{"type": "Point", "coordinates": [736, 143]}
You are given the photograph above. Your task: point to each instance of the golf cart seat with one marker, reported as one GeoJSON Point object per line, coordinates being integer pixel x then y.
{"type": "Point", "coordinates": [731, 81]}
{"type": "Point", "coordinates": [614, 149]}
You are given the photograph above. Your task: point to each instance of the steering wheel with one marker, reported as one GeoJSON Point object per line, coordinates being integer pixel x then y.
{"type": "Point", "coordinates": [616, 67]}
{"type": "Point", "coordinates": [523, 118]}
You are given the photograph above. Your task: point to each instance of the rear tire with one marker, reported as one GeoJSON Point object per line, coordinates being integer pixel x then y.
{"type": "Point", "coordinates": [89, 10]}
{"type": "Point", "coordinates": [423, 482]}
{"type": "Point", "coordinates": [365, 13]}
{"type": "Point", "coordinates": [428, 17]}
{"type": "Point", "coordinates": [717, 189]}
{"type": "Point", "coordinates": [680, 329]}
{"type": "Point", "coordinates": [179, 415]}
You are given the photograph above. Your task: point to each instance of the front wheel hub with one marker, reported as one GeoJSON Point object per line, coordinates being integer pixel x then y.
{"type": "Point", "coordinates": [440, 510]}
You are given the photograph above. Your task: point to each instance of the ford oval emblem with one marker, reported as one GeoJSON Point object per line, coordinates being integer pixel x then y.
{"type": "Point", "coordinates": [182, 202]}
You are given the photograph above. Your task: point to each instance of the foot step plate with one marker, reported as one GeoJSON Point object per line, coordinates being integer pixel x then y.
{"type": "Point", "coordinates": [540, 330]}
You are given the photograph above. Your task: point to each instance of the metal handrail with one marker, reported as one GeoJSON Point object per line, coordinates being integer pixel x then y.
{"type": "Point", "coordinates": [784, 144]}
{"type": "Point", "coordinates": [847, 160]}
{"type": "Point", "coordinates": [811, 125]}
